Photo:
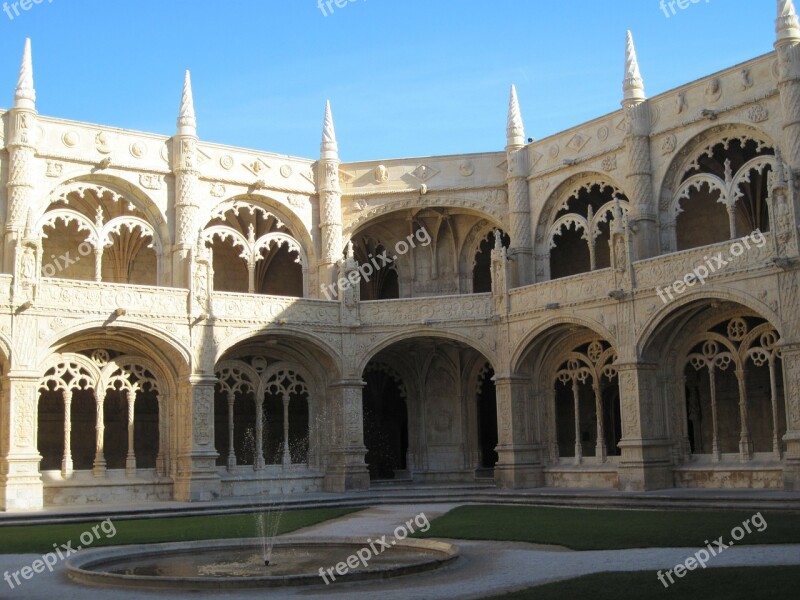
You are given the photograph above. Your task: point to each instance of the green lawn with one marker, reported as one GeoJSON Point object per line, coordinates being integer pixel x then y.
{"type": "Point", "coordinates": [39, 539]}
{"type": "Point", "coordinates": [582, 529]}
{"type": "Point", "coordinates": [712, 584]}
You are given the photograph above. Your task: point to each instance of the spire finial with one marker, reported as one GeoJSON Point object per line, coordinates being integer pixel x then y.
{"type": "Point", "coordinates": [515, 129]}
{"type": "Point", "coordinates": [187, 121]}
{"type": "Point", "coordinates": [787, 25]}
{"type": "Point", "coordinates": [329, 149]}
{"type": "Point", "coordinates": [25, 94]}
{"type": "Point", "coordinates": [633, 84]}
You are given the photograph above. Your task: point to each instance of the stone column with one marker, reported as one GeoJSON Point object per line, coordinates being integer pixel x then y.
{"type": "Point", "coordinates": [231, 449]}
{"type": "Point", "coordinates": [330, 203]}
{"type": "Point", "coordinates": [346, 469]}
{"type": "Point", "coordinates": [20, 482]}
{"type": "Point", "coordinates": [646, 462]}
{"type": "Point", "coordinates": [187, 201]}
{"type": "Point", "coordinates": [519, 463]}
{"type": "Point", "coordinates": [99, 467]}
{"type": "Point", "coordinates": [22, 167]}
{"type": "Point", "coordinates": [519, 204]}
{"type": "Point", "coordinates": [787, 47]}
{"type": "Point", "coordinates": [643, 216]}
{"type": "Point", "coordinates": [66, 461]}
{"type": "Point", "coordinates": [790, 356]}
{"type": "Point", "coordinates": [196, 478]}
{"type": "Point", "coordinates": [130, 459]}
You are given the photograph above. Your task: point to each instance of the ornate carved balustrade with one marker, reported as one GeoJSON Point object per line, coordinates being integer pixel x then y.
{"type": "Point", "coordinates": [92, 298]}
{"type": "Point", "coordinates": [663, 270]}
{"type": "Point", "coordinates": [576, 289]}
{"type": "Point", "coordinates": [267, 309]}
{"type": "Point", "coordinates": [439, 309]}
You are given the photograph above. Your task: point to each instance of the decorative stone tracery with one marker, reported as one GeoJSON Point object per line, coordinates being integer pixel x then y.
{"type": "Point", "coordinates": [98, 375]}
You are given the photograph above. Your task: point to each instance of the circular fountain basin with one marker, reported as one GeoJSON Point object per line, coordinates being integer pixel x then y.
{"type": "Point", "coordinates": [230, 564]}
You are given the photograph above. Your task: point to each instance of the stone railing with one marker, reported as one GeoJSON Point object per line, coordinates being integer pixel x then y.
{"type": "Point", "coordinates": [585, 287]}
{"type": "Point", "coordinates": [89, 297]}
{"type": "Point", "coordinates": [230, 306]}
{"type": "Point", "coordinates": [435, 309]}
{"type": "Point", "coordinates": [664, 270]}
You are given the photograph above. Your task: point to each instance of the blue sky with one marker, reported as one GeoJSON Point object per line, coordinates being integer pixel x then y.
{"type": "Point", "coordinates": [405, 77]}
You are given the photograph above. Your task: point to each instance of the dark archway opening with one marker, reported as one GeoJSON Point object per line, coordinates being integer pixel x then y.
{"type": "Point", "coordinates": [385, 425]}
{"type": "Point", "coordinates": [487, 419]}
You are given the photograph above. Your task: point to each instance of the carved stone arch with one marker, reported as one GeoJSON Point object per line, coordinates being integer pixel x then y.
{"type": "Point", "coordinates": [716, 339]}
{"type": "Point", "coordinates": [598, 365]}
{"type": "Point", "coordinates": [281, 239]}
{"type": "Point", "coordinates": [551, 223]}
{"type": "Point", "coordinates": [116, 225]}
{"type": "Point", "coordinates": [103, 208]}
{"type": "Point", "coordinates": [368, 354]}
{"type": "Point", "coordinates": [414, 332]}
{"type": "Point", "coordinates": [472, 243]}
{"type": "Point", "coordinates": [269, 206]}
{"type": "Point", "coordinates": [119, 190]}
{"type": "Point", "coordinates": [309, 382]}
{"type": "Point", "coordinates": [392, 372]}
{"type": "Point", "coordinates": [302, 337]}
{"type": "Point", "coordinates": [67, 216]}
{"type": "Point", "coordinates": [130, 365]}
{"type": "Point", "coordinates": [224, 234]}
{"type": "Point", "coordinates": [696, 183]}
{"type": "Point", "coordinates": [383, 237]}
{"type": "Point", "coordinates": [566, 222]}
{"type": "Point", "coordinates": [709, 293]}
{"type": "Point", "coordinates": [368, 218]}
{"type": "Point", "coordinates": [754, 336]}
{"type": "Point", "coordinates": [593, 329]}
{"type": "Point", "coordinates": [84, 374]}
{"type": "Point", "coordinates": [563, 191]}
{"type": "Point", "coordinates": [675, 186]}
{"type": "Point", "coordinates": [167, 351]}
{"type": "Point", "coordinates": [245, 375]}
{"type": "Point", "coordinates": [686, 154]}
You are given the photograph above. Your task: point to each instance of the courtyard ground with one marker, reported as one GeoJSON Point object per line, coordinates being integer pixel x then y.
{"type": "Point", "coordinates": [491, 568]}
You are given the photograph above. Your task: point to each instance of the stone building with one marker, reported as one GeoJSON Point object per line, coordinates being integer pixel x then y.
{"type": "Point", "coordinates": [614, 306]}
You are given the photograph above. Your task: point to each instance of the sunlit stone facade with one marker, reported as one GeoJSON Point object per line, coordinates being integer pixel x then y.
{"type": "Point", "coordinates": [614, 306]}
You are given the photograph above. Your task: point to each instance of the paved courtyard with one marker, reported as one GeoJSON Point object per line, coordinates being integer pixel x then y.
{"type": "Point", "coordinates": [483, 569]}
